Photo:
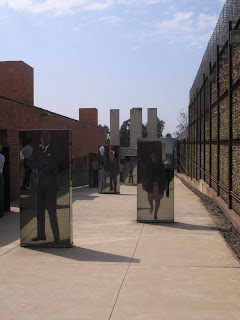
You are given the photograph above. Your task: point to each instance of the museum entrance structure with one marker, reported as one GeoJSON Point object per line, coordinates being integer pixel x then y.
{"type": "Point", "coordinates": [155, 184]}
{"type": "Point", "coordinates": [45, 188]}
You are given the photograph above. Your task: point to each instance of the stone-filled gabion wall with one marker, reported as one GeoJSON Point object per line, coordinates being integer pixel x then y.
{"type": "Point", "coordinates": [210, 141]}
{"type": "Point", "coordinates": [236, 113]}
{"type": "Point", "coordinates": [213, 140]}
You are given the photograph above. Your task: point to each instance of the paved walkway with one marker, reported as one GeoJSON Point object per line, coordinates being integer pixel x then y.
{"type": "Point", "coordinates": [120, 269]}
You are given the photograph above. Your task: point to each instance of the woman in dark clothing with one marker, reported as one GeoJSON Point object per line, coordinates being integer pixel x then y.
{"type": "Point", "coordinates": [155, 182]}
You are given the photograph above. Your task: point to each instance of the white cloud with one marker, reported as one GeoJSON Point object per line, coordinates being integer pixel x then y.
{"type": "Point", "coordinates": [79, 27]}
{"type": "Point", "coordinates": [181, 27]}
{"type": "Point", "coordinates": [59, 7]}
{"type": "Point", "coordinates": [205, 21]}
{"type": "Point", "coordinates": [135, 48]}
{"type": "Point", "coordinates": [181, 22]}
{"type": "Point", "coordinates": [110, 19]}
{"type": "Point", "coordinates": [147, 2]}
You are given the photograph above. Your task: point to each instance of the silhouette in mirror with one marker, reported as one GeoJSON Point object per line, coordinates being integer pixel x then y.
{"type": "Point", "coordinates": [45, 196]}
{"type": "Point", "coordinates": [155, 200]}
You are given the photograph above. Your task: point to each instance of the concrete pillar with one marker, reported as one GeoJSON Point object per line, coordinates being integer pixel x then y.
{"type": "Point", "coordinates": [152, 123]}
{"type": "Point", "coordinates": [135, 126]}
{"type": "Point", "coordinates": [114, 127]}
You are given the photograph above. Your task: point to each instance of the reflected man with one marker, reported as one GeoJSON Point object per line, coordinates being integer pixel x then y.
{"type": "Point", "coordinates": [113, 170]}
{"type": "Point", "coordinates": [45, 159]}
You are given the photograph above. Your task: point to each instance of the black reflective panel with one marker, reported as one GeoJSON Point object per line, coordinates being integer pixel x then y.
{"type": "Point", "coordinates": [45, 188]}
{"type": "Point", "coordinates": [155, 188]}
{"type": "Point", "coordinates": [109, 174]}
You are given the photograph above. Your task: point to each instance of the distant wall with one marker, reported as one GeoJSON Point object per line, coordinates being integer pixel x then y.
{"type": "Point", "coordinates": [18, 115]}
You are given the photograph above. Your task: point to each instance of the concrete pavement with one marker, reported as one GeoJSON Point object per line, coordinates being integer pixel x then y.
{"type": "Point", "coordinates": [119, 269]}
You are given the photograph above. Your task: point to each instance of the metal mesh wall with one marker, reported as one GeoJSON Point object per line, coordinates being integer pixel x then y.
{"type": "Point", "coordinates": [230, 12]}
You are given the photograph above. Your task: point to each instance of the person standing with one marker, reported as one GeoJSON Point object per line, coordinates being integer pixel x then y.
{"type": "Point", "coordinates": [168, 171]}
{"type": "Point", "coordinates": [102, 178]}
{"type": "Point", "coordinates": [95, 171]}
{"type": "Point", "coordinates": [45, 159]}
{"type": "Point", "coordinates": [155, 182]}
{"type": "Point", "coordinates": [2, 161]}
{"type": "Point", "coordinates": [131, 167]}
{"type": "Point", "coordinates": [113, 170]}
{"type": "Point", "coordinates": [121, 168]}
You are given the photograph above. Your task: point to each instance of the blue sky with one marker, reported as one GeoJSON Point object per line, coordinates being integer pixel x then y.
{"type": "Point", "coordinates": [110, 54]}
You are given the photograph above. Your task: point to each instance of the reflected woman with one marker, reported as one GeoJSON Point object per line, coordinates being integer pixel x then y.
{"type": "Point", "coordinates": [154, 182]}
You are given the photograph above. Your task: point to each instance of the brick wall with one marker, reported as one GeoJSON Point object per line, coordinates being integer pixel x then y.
{"type": "Point", "coordinates": [89, 115]}
{"type": "Point", "coordinates": [16, 81]}
{"type": "Point", "coordinates": [22, 115]}
{"type": "Point", "coordinates": [16, 116]}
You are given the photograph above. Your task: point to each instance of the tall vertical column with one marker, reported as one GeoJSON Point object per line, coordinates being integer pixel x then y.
{"type": "Point", "coordinates": [152, 123]}
{"type": "Point", "coordinates": [135, 126]}
{"type": "Point", "coordinates": [114, 127]}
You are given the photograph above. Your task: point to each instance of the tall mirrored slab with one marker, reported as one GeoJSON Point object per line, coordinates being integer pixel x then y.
{"type": "Point", "coordinates": [130, 171]}
{"type": "Point", "coordinates": [155, 187]}
{"type": "Point", "coordinates": [109, 174]}
{"type": "Point", "coordinates": [45, 188]}
{"type": "Point", "coordinates": [93, 166]}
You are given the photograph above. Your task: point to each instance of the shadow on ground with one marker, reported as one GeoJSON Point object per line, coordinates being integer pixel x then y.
{"type": "Point", "coordinates": [9, 228]}
{"type": "Point", "coordinates": [82, 254]}
{"type": "Point", "coordinates": [185, 226]}
{"type": "Point", "coordinates": [84, 193]}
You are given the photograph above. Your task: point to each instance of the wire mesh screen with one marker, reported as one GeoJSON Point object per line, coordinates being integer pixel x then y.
{"type": "Point", "coordinates": [230, 12]}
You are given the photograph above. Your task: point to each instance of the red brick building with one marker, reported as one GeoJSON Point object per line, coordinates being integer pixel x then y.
{"type": "Point", "coordinates": [17, 112]}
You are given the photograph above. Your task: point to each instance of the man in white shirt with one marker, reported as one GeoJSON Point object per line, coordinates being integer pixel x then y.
{"type": "Point", "coordinates": [2, 161]}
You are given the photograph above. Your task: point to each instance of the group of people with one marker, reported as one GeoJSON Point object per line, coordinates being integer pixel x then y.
{"type": "Point", "coordinates": [129, 173]}
{"type": "Point", "coordinates": [109, 167]}
{"type": "Point", "coordinates": [155, 181]}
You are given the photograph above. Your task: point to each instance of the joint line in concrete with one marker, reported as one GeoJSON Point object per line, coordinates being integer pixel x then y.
{"type": "Point", "coordinates": [125, 274]}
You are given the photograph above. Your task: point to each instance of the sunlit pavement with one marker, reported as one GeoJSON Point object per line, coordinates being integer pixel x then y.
{"type": "Point", "coordinates": [121, 269]}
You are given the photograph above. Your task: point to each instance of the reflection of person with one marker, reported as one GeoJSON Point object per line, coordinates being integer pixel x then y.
{"type": "Point", "coordinates": [26, 153]}
{"type": "Point", "coordinates": [121, 168]}
{"type": "Point", "coordinates": [169, 178]}
{"type": "Point", "coordinates": [45, 159]}
{"type": "Point", "coordinates": [95, 171]}
{"type": "Point", "coordinates": [131, 172]}
{"type": "Point", "coordinates": [2, 161]}
{"type": "Point", "coordinates": [102, 151]}
{"type": "Point", "coordinates": [102, 178]}
{"type": "Point", "coordinates": [155, 182]}
{"type": "Point", "coordinates": [113, 170]}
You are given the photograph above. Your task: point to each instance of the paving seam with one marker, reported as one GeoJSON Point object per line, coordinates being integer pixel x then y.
{"type": "Point", "coordinates": [125, 274]}
{"type": "Point", "coordinates": [9, 250]}
{"type": "Point", "coordinates": [189, 267]}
